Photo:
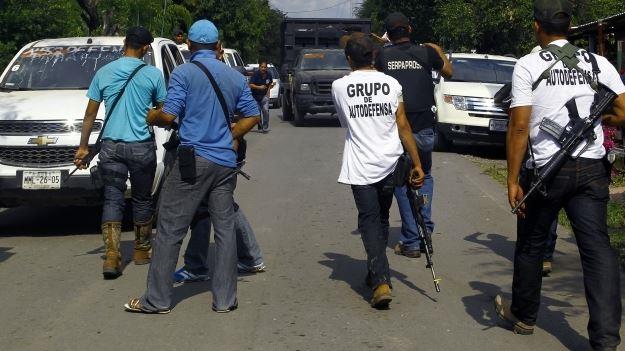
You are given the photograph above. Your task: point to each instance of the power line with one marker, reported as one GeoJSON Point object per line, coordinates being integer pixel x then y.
{"type": "Point", "coordinates": [317, 10]}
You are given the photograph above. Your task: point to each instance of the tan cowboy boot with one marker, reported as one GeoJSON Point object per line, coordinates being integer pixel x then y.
{"type": "Point", "coordinates": [111, 234]}
{"type": "Point", "coordinates": [143, 246]}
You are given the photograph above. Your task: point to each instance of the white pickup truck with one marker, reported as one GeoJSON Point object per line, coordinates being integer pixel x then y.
{"type": "Point", "coordinates": [466, 111]}
{"type": "Point", "coordinates": [42, 104]}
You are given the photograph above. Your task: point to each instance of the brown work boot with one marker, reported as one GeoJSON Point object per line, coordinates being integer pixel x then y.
{"type": "Point", "coordinates": [381, 296]}
{"type": "Point", "coordinates": [547, 268]}
{"type": "Point", "coordinates": [143, 246]}
{"type": "Point", "coordinates": [111, 234]}
{"type": "Point", "coordinates": [502, 307]}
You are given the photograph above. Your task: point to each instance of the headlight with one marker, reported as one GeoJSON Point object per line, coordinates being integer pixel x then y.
{"type": "Point", "coordinates": [304, 87]}
{"type": "Point", "coordinates": [459, 102]}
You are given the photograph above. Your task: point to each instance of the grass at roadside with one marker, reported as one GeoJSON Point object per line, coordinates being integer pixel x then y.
{"type": "Point", "coordinates": [496, 169]}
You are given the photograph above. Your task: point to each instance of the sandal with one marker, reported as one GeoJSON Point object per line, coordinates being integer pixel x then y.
{"type": "Point", "coordinates": [134, 305]}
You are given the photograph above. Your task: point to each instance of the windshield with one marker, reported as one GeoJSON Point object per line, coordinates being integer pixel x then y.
{"type": "Point", "coordinates": [60, 67]}
{"type": "Point", "coordinates": [482, 70]}
{"type": "Point", "coordinates": [330, 60]}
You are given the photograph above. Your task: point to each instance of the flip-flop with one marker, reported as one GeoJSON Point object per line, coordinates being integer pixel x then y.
{"type": "Point", "coordinates": [134, 306]}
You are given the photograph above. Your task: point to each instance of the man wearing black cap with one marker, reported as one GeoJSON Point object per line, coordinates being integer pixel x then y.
{"type": "Point", "coordinates": [128, 145]}
{"type": "Point", "coordinates": [412, 66]}
{"type": "Point", "coordinates": [542, 84]}
{"type": "Point", "coordinates": [178, 37]}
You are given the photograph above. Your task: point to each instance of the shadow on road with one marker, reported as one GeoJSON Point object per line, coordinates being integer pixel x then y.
{"type": "Point", "coordinates": [5, 254]}
{"type": "Point", "coordinates": [55, 221]}
{"type": "Point", "coordinates": [352, 271]}
{"type": "Point", "coordinates": [481, 308]}
{"type": "Point", "coordinates": [496, 243]}
{"type": "Point", "coordinates": [316, 121]}
{"type": "Point", "coordinates": [126, 247]}
{"type": "Point", "coordinates": [49, 221]}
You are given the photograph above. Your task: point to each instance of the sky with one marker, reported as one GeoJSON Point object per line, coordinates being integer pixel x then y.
{"type": "Point", "coordinates": [293, 8]}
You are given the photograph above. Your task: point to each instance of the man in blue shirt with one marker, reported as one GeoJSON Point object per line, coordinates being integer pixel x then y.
{"type": "Point", "coordinates": [261, 83]}
{"type": "Point", "coordinates": [127, 147]}
{"type": "Point", "coordinates": [204, 169]}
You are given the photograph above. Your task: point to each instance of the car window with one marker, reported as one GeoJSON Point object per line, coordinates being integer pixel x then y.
{"type": "Point", "coordinates": [61, 67]}
{"type": "Point", "coordinates": [324, 60]}
{"type": "Point", "coordinates": [238, 59]}
{"type": "Point", "coordinates": [176, 53]}
{"type": "Point", "coordinates": [168, 63]}
{"type": "Point", "coordinates": [229, 59]}
{"type": "Point", "coordinates": [482, 70]}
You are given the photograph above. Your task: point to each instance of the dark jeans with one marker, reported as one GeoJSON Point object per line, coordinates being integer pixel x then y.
{"type": "Point", "coordinates": [550, 246]}
{"type": "Point", "coordinates": [177, 207]}
{"type": "Point", "coordinates": [373, 202]}
{"type": "Point", "coordinates": [117, 160]}
{"type": "Point", "coordinates": [581, 188]}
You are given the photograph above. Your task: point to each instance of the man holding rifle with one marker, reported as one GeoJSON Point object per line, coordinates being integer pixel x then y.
{"type": "Point", "coordinates": [555, 88]}
{"type": "Point", "coordinates": [128, 88]}
{"type": "Point", "coordinates": [370, 104]}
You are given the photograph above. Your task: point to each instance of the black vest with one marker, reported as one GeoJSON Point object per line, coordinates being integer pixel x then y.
{"type": "Point", "coordinates": [410, 65]}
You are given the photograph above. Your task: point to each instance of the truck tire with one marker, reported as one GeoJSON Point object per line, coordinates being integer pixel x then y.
{"type": "Point", "coordinates": [298, 117]}
{"type": "Point", "coordinates": [287, 113]}
{"type": "Point", "coordinates": [441, 143]}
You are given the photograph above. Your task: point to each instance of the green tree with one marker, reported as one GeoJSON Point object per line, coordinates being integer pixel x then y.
{"type": "Point", "coordinates": [242, 26]}
{"type": "Point", "coordinates": [27, 21]}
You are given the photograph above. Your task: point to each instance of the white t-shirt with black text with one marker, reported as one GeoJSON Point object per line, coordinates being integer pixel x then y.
{"type": "Point", "coordinates": [551, 95]}
{"type": "Point", "coordinates": [366, 102]}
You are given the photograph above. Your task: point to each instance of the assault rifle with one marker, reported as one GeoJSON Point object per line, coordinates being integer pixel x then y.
{"type": "Point", "coordinates": [416, 205]}
{"type": "Point", "coordinates": [576, 132]}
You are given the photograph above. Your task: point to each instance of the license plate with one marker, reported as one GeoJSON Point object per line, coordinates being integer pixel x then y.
{"type": "Point", "coordinates": [35, 180]}
{"type": "Point", "coordinates": [498, 125]}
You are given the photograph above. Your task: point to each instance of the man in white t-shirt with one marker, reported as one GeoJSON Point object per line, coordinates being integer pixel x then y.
{"type": "Point", "coordinates": [580, 186]}
{"type": "Point", "coordinates": [370, 104]}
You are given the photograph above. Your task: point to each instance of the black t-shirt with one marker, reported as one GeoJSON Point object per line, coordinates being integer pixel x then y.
{"type": "Point", "coordinates": [258, 79]}
{"type": "Point", "coordinates": [412, 66]}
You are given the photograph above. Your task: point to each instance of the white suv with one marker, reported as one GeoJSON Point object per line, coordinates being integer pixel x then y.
{"type": "Point", "coordinates": [466, 110]}
{"type": "Point", "coordinates": [42, 104]}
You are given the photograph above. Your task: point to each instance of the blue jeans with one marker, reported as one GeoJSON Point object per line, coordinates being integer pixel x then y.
{"type": "Point", "coordinates": [117, 159]}
{"type": "Point", "coordinates": [551, 241]}
{"type": "Point", "coordinates": [263, 105]}
{"type": "Point", "coordinates": [409, 236]}
{"type": "Point", "coordinates": [196, 254]}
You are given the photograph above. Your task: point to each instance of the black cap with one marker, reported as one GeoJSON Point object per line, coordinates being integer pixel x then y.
{"type": "Point", "coordinates": [139, 35]}
{"type": "Point", "coordinates": [178, 32]}
{"type": "Point", "coordinates": [396, 20]}
{"type": "Point", "coordinates": [553, 11]}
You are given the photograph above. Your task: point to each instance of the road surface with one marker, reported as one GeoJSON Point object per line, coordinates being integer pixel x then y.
{"type": "Point", "coordinates": [313, 295]}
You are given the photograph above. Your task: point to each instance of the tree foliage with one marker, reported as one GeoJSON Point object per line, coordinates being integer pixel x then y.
{"type": "Point", "coordinates": [250, 26]}
{"type": "Point", "coordinates": [489, 26]}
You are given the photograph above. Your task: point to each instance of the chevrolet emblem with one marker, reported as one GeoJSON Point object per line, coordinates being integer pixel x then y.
{"type": "Point", "coordinates": [42, 140]}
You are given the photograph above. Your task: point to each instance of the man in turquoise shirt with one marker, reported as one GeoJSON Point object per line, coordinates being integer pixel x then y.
{"type": "Point", "coordinates": [127, 147]}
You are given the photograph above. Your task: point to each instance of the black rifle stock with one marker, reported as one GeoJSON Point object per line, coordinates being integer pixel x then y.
{"type": "Point", "coordinates": [572, 137]}
{"type": "Point", "coordinates": [416, 204]}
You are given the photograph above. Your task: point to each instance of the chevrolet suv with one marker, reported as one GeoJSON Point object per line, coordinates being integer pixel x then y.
{"type": "Point", "coordinates": [42, 104]}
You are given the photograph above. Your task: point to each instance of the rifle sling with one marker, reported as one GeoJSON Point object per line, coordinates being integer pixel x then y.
{"type": "Point", "coordinates": [220, 95]}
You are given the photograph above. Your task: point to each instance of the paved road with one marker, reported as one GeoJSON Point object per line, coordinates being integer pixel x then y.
{"type": "Point", "coordinates": [313, 296]}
